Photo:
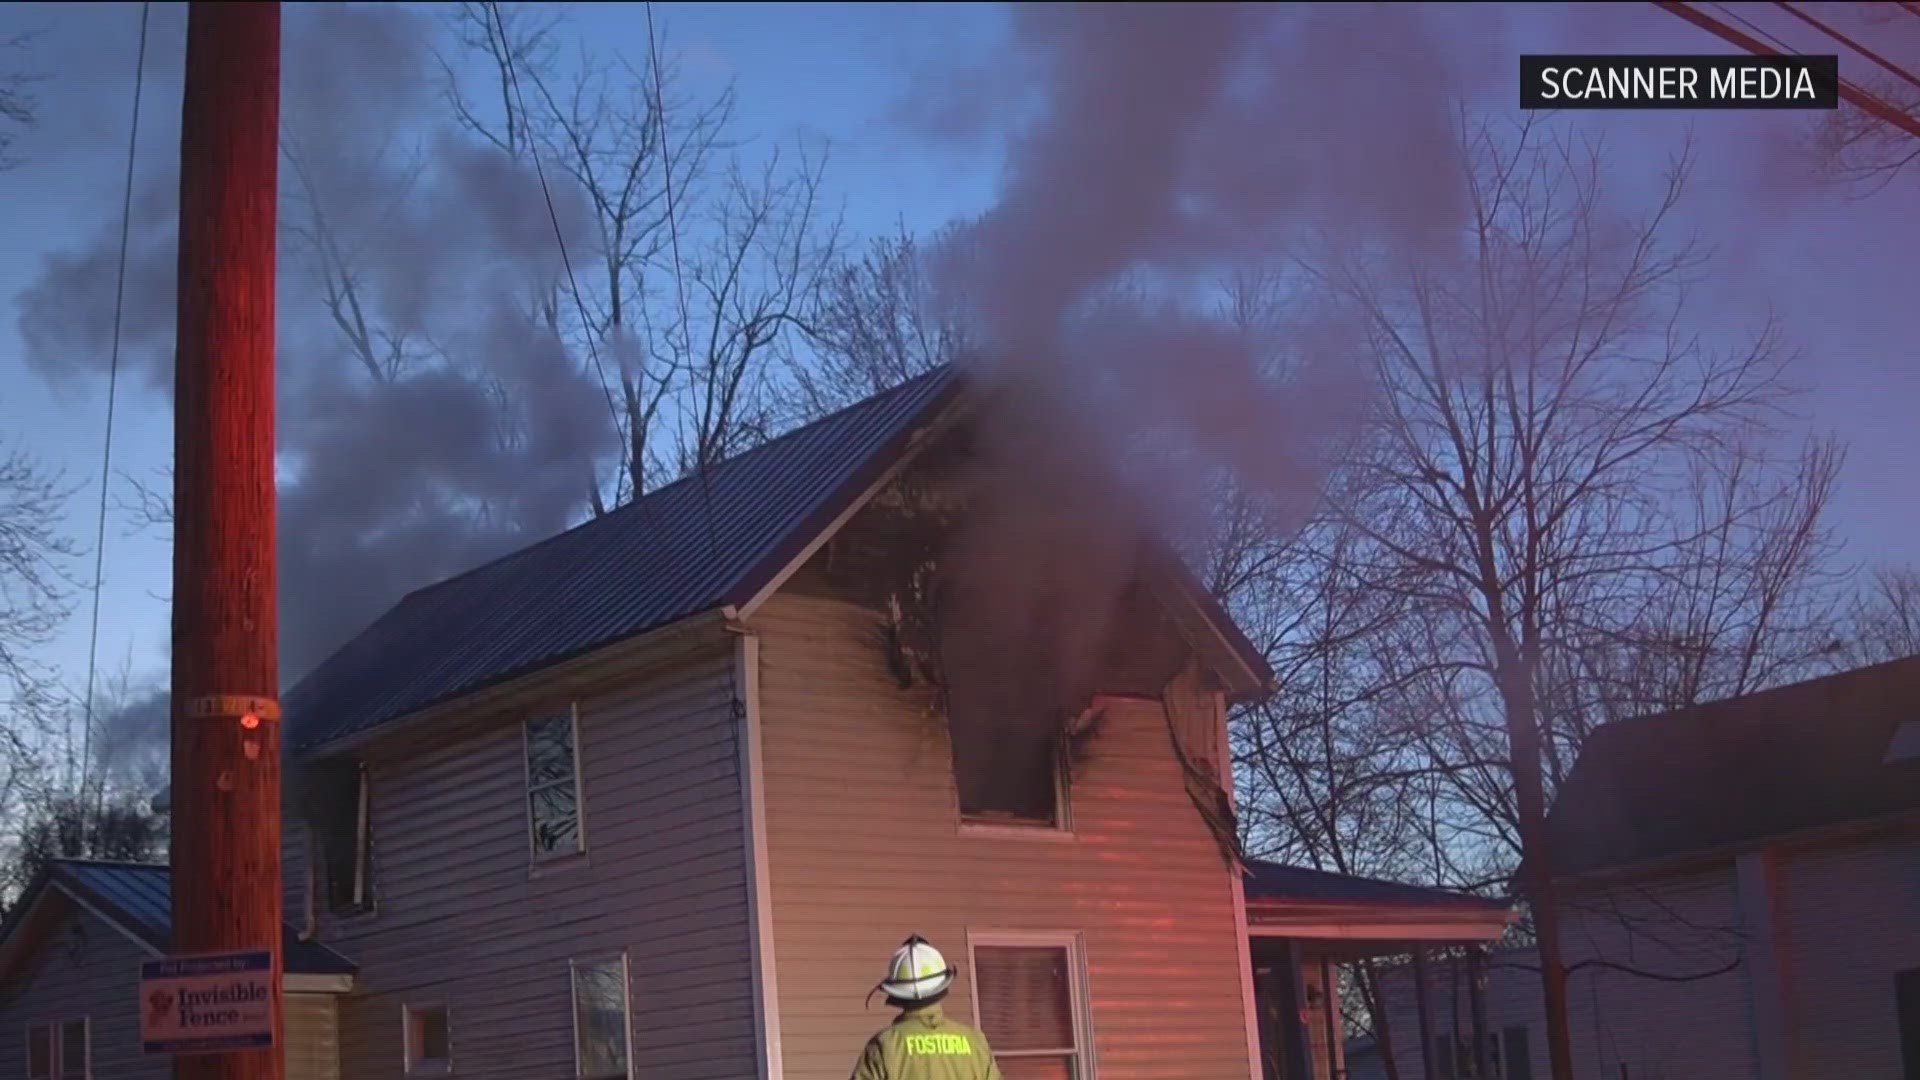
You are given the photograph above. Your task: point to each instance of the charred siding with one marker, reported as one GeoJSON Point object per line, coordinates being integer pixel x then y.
{"type": "Point", "coordinates": [462, 920]}
{"type": "Point", "coordinates": [85, 968]}
{"type": "Point", "coordinates": [863, 850]}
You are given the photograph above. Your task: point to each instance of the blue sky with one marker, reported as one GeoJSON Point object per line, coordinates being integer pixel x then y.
{"type": "Point", "coordinates": [1833, 270]}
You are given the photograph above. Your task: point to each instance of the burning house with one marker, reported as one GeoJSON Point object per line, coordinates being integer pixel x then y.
{"type": "Point", "coordinates": [657, 796]}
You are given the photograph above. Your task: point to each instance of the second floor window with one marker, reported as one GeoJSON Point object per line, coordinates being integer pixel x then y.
{"type": "Point", "coordinates": [345, 835]}
{"type": "Point", "coordinates": [553, 785]}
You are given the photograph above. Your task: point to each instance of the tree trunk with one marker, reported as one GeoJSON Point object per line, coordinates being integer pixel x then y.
{"type": "Point", "coordinates": [1530, 803]}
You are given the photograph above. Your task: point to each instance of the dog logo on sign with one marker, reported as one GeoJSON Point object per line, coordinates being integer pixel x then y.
{"type": "Point", "coordinates": [159, 1007]}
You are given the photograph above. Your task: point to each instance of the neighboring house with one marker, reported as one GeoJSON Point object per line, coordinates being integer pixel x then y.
{"type": "Point", "coordinates": [1741, 888]}
{"type": "Point", "coordinates": [652, 799]}
{"type": "Point", "coordinates": [69, 967]}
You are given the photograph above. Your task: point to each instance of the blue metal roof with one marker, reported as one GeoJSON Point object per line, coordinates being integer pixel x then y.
{"type": "Point", "coordinates": [139, 896]}
{"type": "Point", "coordinates": [1279, 882]}
{"type": "Point", "coordinates": [691, 546]}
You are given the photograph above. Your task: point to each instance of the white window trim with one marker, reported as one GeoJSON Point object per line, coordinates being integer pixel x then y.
{"type": "Point", "coordinates": [57, 1047]}
{"type": "Point", "coordinates": [1075, 944]}
{"type": "Point", "coordinates": [441, 1067]}
{"type": "Point", "coordinates": [363, 903]}
{"type": "Point", "coordinates": [538, 857]}
{"type": "Point", "coordinates": [626, 998]}
{"type": "Point", "coordinates": [1060, 829]}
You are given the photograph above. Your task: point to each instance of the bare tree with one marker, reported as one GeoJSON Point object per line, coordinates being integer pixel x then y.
{"type": "Point", "coordinates": [1855, 146]}
{"type": "Point", "coordinates": [17, 105]}
{"type": "Point", "coordinates": [1557, 463]}
{"type": "Point", "coordinates": [35, 592]}
{"type": "Point", "coordinates": [124, 828]}
{"type": "Point", "coordinates": [35, 599]}
{"type": "Point", "coordinates": [703, 270]}
{"type": "Point", "coordinates": [876, 325]}
{"type": "Point", "coordinates": [1884, 622]}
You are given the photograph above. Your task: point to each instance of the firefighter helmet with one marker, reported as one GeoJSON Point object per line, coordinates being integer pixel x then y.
{"type": "Point", "coordinates": [918, 972]}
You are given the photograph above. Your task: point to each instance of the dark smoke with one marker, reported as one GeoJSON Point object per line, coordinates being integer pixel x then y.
{"type": "Point", "coordinates": [436, 426]}
{"type": "Point", "coordinates": [1171, 146]}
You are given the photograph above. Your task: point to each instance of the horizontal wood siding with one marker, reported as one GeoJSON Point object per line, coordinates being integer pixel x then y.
{"type": "Point", "coordinates": [462, 919]}
{"type": "Point", "coordinates": [863, 850]}
{"type": "Point", "coordinates": [83, 968]}
{"type": "Point", "coordinates": [1853, 916]}
{"type": "Point", "coordinates": [1679, 927]}
{"type": "Point", "coordinates": [294, 853]}
{"type": "Point", "coordinates": [313, 1037]}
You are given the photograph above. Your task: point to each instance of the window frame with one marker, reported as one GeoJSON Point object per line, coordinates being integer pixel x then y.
{"type": "Point", "coordinates": [55, 1032]}
{"type": "Point", "coordinates": [1073, 943]}
{"type": "Point", "coordinates": [362, 902]}
{"type": "Point", "coordinates": [574, 964]}
{"type": "Point", "coordinates": [424, 1066]}
{"type": "Point", "coordinates": [1060, 828]}
{"type": "Point", "coordinates": [529, 789]}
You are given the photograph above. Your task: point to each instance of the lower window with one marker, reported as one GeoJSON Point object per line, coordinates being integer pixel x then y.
{"type": "Point", "coordinates": [602, 1047]}
{"type": "Point", "coordinates": [429, 1046]}
{"type": "Point", "coordinates": [1027, 998]}
{"type": "Point", "coordinates": [60, 1050]}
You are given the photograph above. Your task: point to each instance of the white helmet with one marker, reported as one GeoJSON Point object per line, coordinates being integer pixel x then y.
{"type": "Point", "coordinates": [918, 972]}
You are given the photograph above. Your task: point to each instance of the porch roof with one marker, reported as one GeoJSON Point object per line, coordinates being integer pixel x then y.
{"type": "Point", "coordinates": [1299, 902]}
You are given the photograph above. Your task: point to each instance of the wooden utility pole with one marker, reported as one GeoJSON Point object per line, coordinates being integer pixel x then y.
{"type": "Point", "coordinates": [226, 715]}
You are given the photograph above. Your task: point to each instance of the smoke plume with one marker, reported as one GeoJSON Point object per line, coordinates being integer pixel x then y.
{"type": "Point", "coordinates": [1169, 147]}
{"type": "Point", "coordinates": [429, 421]}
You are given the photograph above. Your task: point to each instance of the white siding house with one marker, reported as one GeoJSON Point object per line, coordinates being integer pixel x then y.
{"type": "Point", "coordinates": [1741, 889]}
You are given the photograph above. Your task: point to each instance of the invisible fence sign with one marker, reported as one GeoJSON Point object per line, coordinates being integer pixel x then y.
{"type": "Point", "coordinates": [207, 1004]}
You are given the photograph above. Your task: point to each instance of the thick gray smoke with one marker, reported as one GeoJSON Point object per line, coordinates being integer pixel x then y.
{"type": "Point", "coordinates": [428, 422]}
{"type": "Point", "coordinates": [1170, 146]}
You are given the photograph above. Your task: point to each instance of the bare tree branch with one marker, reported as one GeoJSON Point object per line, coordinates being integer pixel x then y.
{"type": "Point", "coordinates": [17, 104]}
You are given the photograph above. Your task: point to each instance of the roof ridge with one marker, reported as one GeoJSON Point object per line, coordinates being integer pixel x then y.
{"type": "Point", "coordinates": [625, 509]}
{"type": "Point", "coordinates": [122, 864]}
{"type": "Point", "coordinates": [1721, 703]}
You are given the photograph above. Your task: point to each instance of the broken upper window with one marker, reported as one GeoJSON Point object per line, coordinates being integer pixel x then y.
{"type": "Point", "coordinates": [344, 835]}
{"type": "Point", "coordinates": [553, 785]}
{"type": "Point", "coordinates": [1007, 760]}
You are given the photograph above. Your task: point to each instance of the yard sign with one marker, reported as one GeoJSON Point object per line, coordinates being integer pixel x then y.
{"type": "Point", "coordinates": [207, 1004]}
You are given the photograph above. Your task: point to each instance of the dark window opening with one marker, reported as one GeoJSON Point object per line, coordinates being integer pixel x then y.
{"type": "Point", "coordinates": [1007, 777]}
{"type": "Point", "coordinates": [1906, 996]}
{"type": "Point", "coordinates": [60, 1050]}
{"type": "Point", "coordinates": [1454, 1059]}
{"type": "Point", "coordinates": [40, 1052]}
{"type": "Point", "coordinates": [343, 833]}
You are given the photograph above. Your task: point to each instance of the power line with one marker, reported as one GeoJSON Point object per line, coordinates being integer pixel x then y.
{"type": "Point", "coordinates": [559, 235]}
{"type": "Point", "coordinates": [1853, 95]}
{"type": "Point", "coordinates": [106, 450]}
{"type": "Point", "coordinates": [679, 280]}
{"type": "Point", "coordinates": [1883, 62]}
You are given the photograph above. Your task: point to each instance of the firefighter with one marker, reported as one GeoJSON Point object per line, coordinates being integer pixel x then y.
{"type": "Point", "coordinates": [922, 1043]}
